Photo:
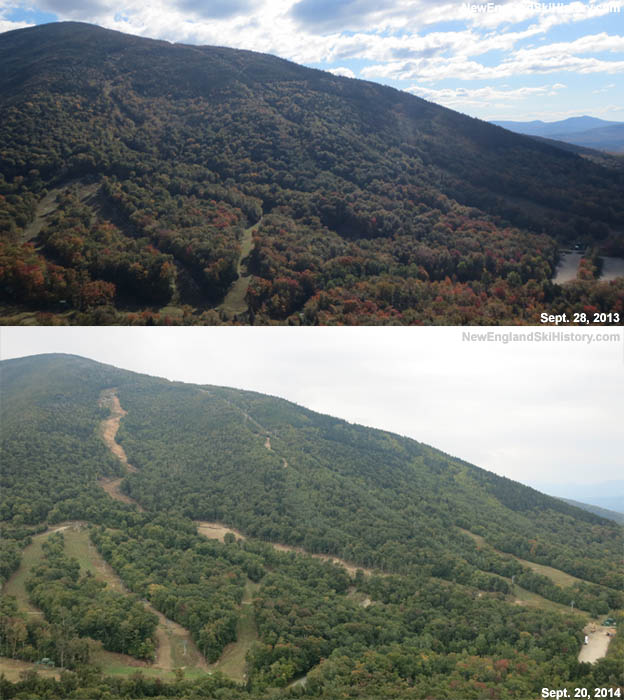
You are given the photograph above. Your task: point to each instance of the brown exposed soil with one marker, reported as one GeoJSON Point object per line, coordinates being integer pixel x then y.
{"type": "Point", "coordinates": [111, 486]}
{"type": "Point", "coordinates": [599, 639]}
{"type": "Point", "coordinates": [217, 531]}
{"type": "Point", "coordinates": [110, 426]}
{"type": "Point", "coordinates": [169, 634]}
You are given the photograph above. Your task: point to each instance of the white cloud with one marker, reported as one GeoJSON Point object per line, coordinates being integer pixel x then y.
{"type": "Point", "coordinates": [482, 97]}
{"type": "Point", "coordinates": [552, 58]}
{"type": "Point", "coordinates": [341, 70]}
{"type": "Point", "coordinates": [8, 26]}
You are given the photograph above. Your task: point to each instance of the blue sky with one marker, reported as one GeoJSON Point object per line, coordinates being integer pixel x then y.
{"type": "Point", "coordinates": [514, 60]}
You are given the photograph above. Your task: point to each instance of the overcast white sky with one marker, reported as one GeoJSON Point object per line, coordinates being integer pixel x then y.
{"type": "Point", "coordinates": [547, 412]}
{"type": "Point", "coordinates": [516, 59]}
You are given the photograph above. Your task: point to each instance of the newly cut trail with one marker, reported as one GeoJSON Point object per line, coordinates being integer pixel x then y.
{"type": "Point", "coordinates": [217, 531]}
{"type": "Point", "coordinates": [176, 649]}
{"type": "Point", "coordinates": [109, 428]}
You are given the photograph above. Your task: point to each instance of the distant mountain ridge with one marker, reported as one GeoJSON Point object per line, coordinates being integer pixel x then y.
{"type": "Point", "coordinates": [608, 494]}
{"type": "Point", "coordinates": [602, 512]}
{"type": "Point", "coordinates": [589, 132]}
{"type": "Point", "coordinates": [561, 127]}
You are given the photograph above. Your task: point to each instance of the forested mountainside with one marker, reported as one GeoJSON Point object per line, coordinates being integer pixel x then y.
{"type": "Point", "coordinates": [145, 182]}
{"type": "Point", "coordinates": [354, 560]}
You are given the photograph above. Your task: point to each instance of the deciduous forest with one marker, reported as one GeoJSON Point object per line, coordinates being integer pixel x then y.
{"type": "Point", "coordinates": [132, 170]}
{"type": "Point", "coordinates": [302, 555]}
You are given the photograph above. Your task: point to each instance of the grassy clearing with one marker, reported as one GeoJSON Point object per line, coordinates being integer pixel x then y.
{"type": "Point", "coordinates": [232, 661]}
{"type": "Point", "coordinates": [555, 575]}
{"type": "Point", "coordinates": [31, 556]}
{"type": "Point", "coordinates": [13, 669]}
{"type": "Point", "coordinates": [234, 301]}
{"type": "Point", "coordinates": [113, 664]}
{"type": "Point", "coordinates": [176, 649]}
{"type": "Point", "coordinates": [79, 546]}
{"type": "Point", "coordinates": [521, 596]}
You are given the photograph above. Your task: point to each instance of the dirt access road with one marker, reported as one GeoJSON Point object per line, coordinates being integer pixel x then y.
{"type": "Point", "coordinates": [175, 646]}
{"type": "Point", "coordinates": [217, 531]}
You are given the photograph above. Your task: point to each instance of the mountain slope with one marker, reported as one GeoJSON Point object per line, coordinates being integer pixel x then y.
{"type": "Point", "coordinates": [442, 538]}
{"type": "Point", "coordinates": [373, 205]}
{"type": "Point", "coordinates": [359, 493]}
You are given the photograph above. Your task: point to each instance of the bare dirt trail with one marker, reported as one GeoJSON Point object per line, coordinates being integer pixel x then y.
{"type": "Point", "coordinates": [112, 488]}
{"type": "Point", "coordinates": [267, 444]}
{"type": "Point", "coordinates": [109, 428]}
{"type": "Point", "coordinates": [174, 645]}
{"type": "Point", "coordinates": [217, 531]}
{"type": "Point", "coordinates": [598, 642]}
{"type": "Point", "coordinates": [176, 648]}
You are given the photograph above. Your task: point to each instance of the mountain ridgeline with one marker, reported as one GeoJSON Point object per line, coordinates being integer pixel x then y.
{"type": "Point", "coordinates": [133, 171]}
{"type": "Point", "coordinates": [456, 563]}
